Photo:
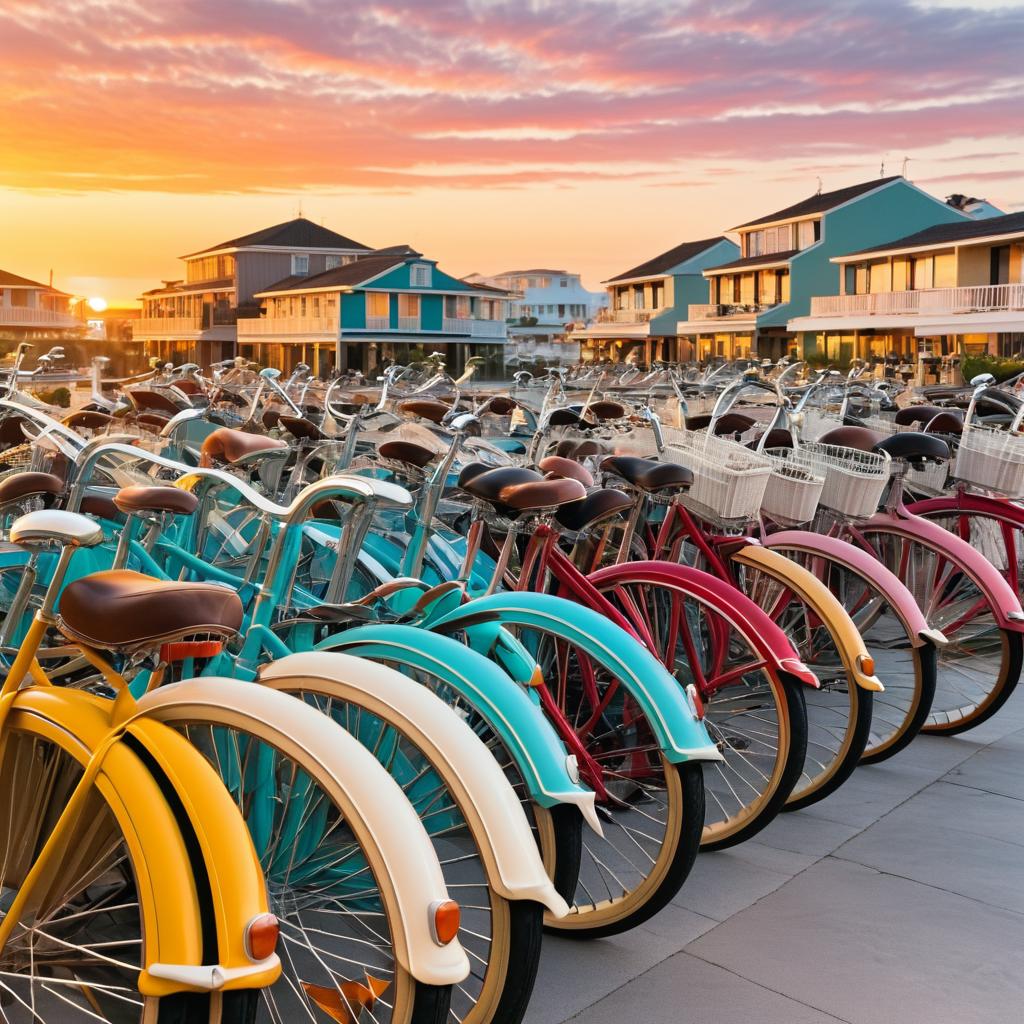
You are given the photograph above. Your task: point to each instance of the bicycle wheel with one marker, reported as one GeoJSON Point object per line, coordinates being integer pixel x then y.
{"type": "Point", "coordinates": [76, 951]}
{"type": "Point", "coordinates": [501, 937]}
{"type": "Point", "coordinates": [979, 667]}
{"type": "Point", "coordinates": [906, 667]}
{"type": "Point", "coordinates": [839, 712]}
{"type": "Point", "coordinates": [323, 875]}
{"type": "Point", "coordinates": [756, 717]}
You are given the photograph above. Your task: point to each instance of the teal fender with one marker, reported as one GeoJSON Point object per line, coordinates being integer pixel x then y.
{"type": "Point", "coordinates": [680, 734]}
{"type": "Point", "coordinates": [539, 753]}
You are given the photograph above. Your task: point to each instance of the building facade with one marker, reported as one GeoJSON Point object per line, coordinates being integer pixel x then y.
{"type": "Point", "coordinates": [37, 313]}
{"type": "Point", "coordinates": [785, 259]}
{"type": "Point", "coordinates": [546, 306]}
{"type": "Point", "coordinates": [948, 290]}
{"type": "Point", "coordinates": [385, 306]}
{"type": "Point", "coordinates": [195, 319]}
{"type": "Point", "coordinates": [646, 304]}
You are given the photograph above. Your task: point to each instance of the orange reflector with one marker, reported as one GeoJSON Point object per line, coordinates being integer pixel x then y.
{"type": "Point", "coordinates": [190, 649]}
{"type": "Point", "coordinates": [867, 664]}
{"type": "Point", "coordinates": [261, 937]}
{"type": "Point", "coordinates": [344, 1004]}
{"type": "Point", "coordinates": [444, 921]}
{"type": "Point", "coordinates": [537, 678]}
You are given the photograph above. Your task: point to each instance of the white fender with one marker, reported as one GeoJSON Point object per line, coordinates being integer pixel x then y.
{"type": "Point", "coordinates": [492, 809]}
{"type": "Point", "coordinates": [375, 808]}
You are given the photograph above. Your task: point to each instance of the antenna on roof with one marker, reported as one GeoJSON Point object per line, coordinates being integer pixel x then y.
{"type": "Point", "coordinates": [906, 160]}
{"type": "Point", "coordinates": [881, 173]}
{"type": "Point", "coordinates": [818, 193]}
{"type": "Point", "coordinates": [300, 207]}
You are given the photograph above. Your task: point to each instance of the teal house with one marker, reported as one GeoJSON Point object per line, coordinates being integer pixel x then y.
{"type": "Point", "coordinates": [785, 260]}
{"type": "Point", "coordinates": [386, 306]}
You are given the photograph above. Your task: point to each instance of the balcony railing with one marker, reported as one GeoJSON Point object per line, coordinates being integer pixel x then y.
{"type": "Point", "coordinates": [31, 316]}
{"type": "Point", "coordinates": [723, 310]}
{"type": "Point", "coordinates": [169, 325]}
{"type": "Point", "coordinates": [283, 326]}
{"type": "Point", "coordinates": [628, 316]}
{"type": "Point", "coordinates": [488, 329]}
{"type": "Point", "coordinates": [989, 298]}
{"type": "Point", "coordinates": [378, 323]}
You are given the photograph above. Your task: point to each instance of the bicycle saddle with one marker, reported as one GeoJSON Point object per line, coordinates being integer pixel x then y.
{"type": "Point", "coordinates": [574, 448]}
{"type": "Point", "coordinates": [88, 420]}
{"type": "Point", "coordinates": [946, 422]}
{"type": "Point", "coordinates": [648, 475]}
{"type": "Point", "coordinates": [606, 410]}
{"type": "Point", "coordinates": [427, 408]}
{"type": "Point", "coordinates": [517, 489]}
{"type": "Point", "coordinates": [730, 423]}
{"type": "Point", "coordinates": [131, 500]}
{"type": "Point", "coordinates": [597, 505]}
{"type": "Point", "coordinates": [860, 438]}
{"type": "Point", "coordinates": [779, 437]}
{"type": "Point", "coordinates": [915, 447]}
{"type": "Point", "coordinates": [27, 485]}
{"type": "Point", "coordinates": [300, 427]}
{"type": "Point", "coordinates": [153, 401]}
{"type": "Point", "coordinates": [55, 526]}
{"type": "Point", "coordinates": [557, 466]}
{"type": "Point", "coordinates": [233, 446]}
{"type": "Point", "coordinates": [408, 452]}
{"type": "Point", "coordinates": [917, 414]}
{"type": "Point", "coordinates": [123, 609]}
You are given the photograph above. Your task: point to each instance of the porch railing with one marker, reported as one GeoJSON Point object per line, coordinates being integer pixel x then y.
{"type": "Point", "coordinates": [283, 326]}
{"type": "Point", "coordinates": [990, 298]}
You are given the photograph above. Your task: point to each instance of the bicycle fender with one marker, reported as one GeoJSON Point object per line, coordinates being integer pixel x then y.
{"type": "Point", "coordinates": [744, 615]}
{"type": "Point", "coordinates": [400, 852]}
{"type": "Point", "coordinates": [540, 755]}
{"type": "Point", "coordinates": [483, 794]}
{"type": "Point", "coordinates": [1005, 603]}
{"type": "Point", "coordinates": [165, 874]}
{"type": "Point", "coordinates": [864, 564]}
{"type": "Point", "coordinates": [680, 735]}
{"type": "Point", "coordinates": [845, 634]}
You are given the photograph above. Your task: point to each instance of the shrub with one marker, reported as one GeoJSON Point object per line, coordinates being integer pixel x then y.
{"type": "Point", "coordinates": [60, 397]}
{"type": "Point", "coordinates": [1001, 369]}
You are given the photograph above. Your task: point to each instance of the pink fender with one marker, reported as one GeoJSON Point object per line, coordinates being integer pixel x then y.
{"type": "Point", "coordinates": [863, 563]}
{"type": "Point", "coordinates": [1005, 604]}
{"type": "Point", "coordinates": [999, 507]}
{"type": "Point", "coordinates": [751, 621]}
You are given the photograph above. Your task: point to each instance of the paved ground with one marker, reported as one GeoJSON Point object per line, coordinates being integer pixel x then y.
{"type": "Point", "coordinates": [899, 898]}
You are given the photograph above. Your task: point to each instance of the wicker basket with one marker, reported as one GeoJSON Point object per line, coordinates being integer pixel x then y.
{"type": "Point", "coordinates": [854, 480]}
{"type": "Point", "coordinates": [991, 459]}
{"type": "Point", "coordinates": [793, 490]}
{"type": "Point", "coordinates": [729, 480]}
{"type": "Point", "coordinates": [931, 478]}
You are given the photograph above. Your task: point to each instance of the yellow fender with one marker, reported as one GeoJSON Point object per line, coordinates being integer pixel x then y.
{"type": "Point", "coordinates": [850, 643]}
{"type": "Point", "coordinates": [79, 723]}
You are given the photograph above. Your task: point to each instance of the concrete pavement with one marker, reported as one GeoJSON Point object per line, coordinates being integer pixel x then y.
{"type": "Point", "coordinates": [898, 898]}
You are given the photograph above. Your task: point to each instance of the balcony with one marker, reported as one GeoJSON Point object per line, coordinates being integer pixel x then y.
{"type": "Point", "coordinates": [628, 316]}
{"type": "Point", "coordinates": [167, 326]}
{"type": "Point", "coordinates": [30, 316]}
{"type": "Point", "coordinates": [409, 323]}
{"type": "Point", "coordinates": [993, 298]}
{"type": "Point", "coordinates": [378, 323]}
{"type": "Point", "coordinates": [283, 327]}
{"type": "Point", "coordinates": [473, 327]}
{"type": "Point", "coordinates": [723, 311]}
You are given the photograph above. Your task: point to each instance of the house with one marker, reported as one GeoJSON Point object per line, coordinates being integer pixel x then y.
{"type": "Point", "coordinates": [384, 306]}
{"type": "Point", "coordinates": [195, 318]}
{"type": "Point", "coordinates": [30, 311]}
{"type": "Point", "coordinates": [546, 305]}
{"type": "Point", "coordinates": [949, 289]}
{"type": "Point", "coordinates": [647, 302]}
{"type": "Point", "coordinates": [785, 260]}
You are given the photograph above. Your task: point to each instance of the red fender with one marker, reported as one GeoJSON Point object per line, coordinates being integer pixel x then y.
{"type": "Point", "coordinates": [864, 564]}
{"type": "Point", "coordinates": [1005, 604]}
{"type": "Point", "coordinates": [751, 621]}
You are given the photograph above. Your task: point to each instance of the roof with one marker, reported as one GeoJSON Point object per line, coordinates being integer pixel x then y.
{"type": "Point", "coordinates": [517, 273]}
{"type": "Point", "coordinates": [9, 280]}
{"type": "Point", "coordinates": [299, 233]}
{"type": "Point", "coordinates": [346, 276]}
{"type": "Point", "coordinates": [667, 260]}
{"type": "Point", "coordinates": [750, 262]}
{"type": "Point", "coordinates": [958, 231]}
{"type": "Point", "coordinates": [822, 202]}
{"type": "Point", "coordinates": [220, 284]}
{"type": "Point", "coordinates": [396, 250]}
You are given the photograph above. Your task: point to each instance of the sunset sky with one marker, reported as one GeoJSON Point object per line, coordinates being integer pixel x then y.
{"type": "Point", "coordinates": [586, 134]}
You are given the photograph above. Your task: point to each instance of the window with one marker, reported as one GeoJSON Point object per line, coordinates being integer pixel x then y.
{"type": "Point", "coordinates": [377, 304]}
{"type": "Point", "coordinates": [302, 305]}
{"type": "Point", "coordinates": [332, 262]}
{"type": "Point", "coordinates": [922, 272]}
{"type": "Point", "coordinates": [805, 236]}
{"type": "Point", "coordinates": [657, 295]}
{"type": "Point", "coordinates": [300, 264]}
{"type": "Point", "coordinates": [419, 277]}
{"type": "Point", "coordinates": [563, 282]}
{"type": "Point", "coordinates": [408, 305]}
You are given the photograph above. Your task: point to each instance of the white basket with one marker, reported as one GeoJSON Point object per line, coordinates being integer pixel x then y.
{"type": "Point", "coordinates": [931, 478]}
{"type": "Point", "coordinates": [991, 459]}
{"type": "Point", "coordinates": [816, 422]}
{"type": "Point", "coordinates": [854, 480]}
{"type": "Point", "coordinates": [729, 480]}
{"type": "Point", "coordinates": [793, 491]}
